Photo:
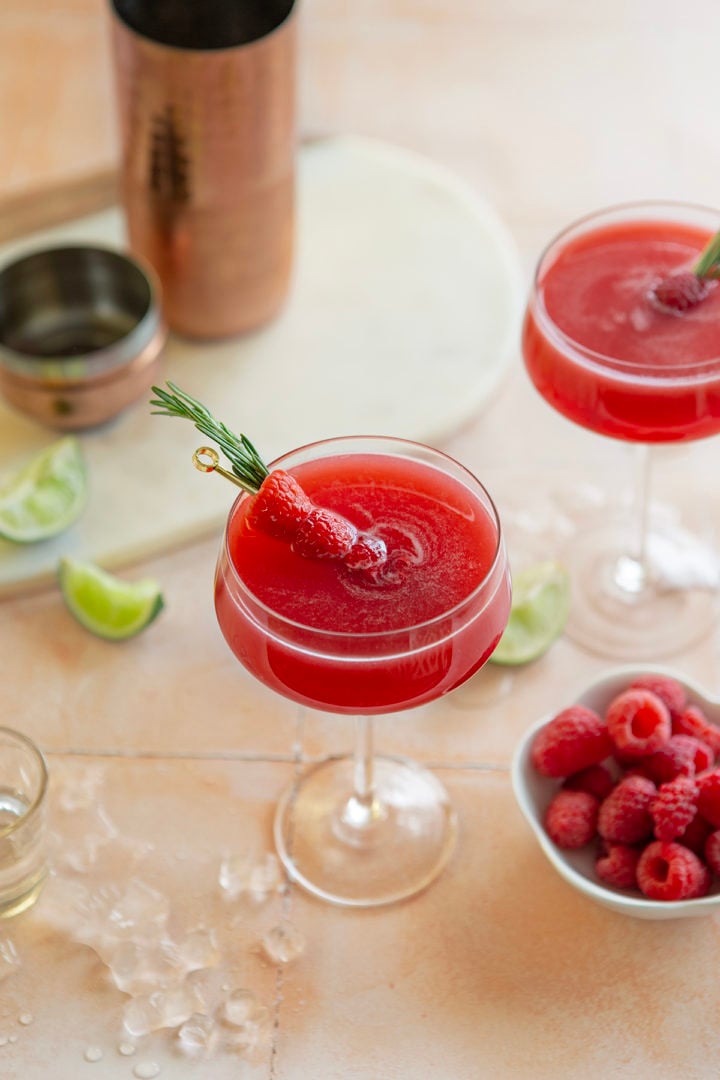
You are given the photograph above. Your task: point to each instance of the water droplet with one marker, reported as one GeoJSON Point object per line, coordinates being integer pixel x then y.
{"type": "Point", "coordinates": [127, 1049]}
{"type": "Point", "coordinates": [93, 1053]}
{"type": "Point", "coordinates": [12, 1038]}
{"type": "Point", "coordinates": [240, 1007]}
{"type": "Point", "coordinates": [3, 1040]}
{"type": "Point", "coordinates": [25, 1019]}
{"type": "Point", "coordinates": [283, 943]}
{"type": "Point", "coordinates": [146, 1070]}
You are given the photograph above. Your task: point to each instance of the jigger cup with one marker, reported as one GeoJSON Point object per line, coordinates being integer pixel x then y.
{"type": "Point", "coordinates": [23, 823]}
{"type": "Point", "coordinates": [206, 97]}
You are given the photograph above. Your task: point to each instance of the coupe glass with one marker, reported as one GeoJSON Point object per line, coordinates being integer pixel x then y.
{"type": "Point", "coordinates": [365, 830]}
{"type": "Point", "coordinates": [640, 588]}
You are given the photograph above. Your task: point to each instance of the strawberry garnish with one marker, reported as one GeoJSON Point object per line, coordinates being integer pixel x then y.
{"type": "Point", "coordinates": [678, 293]}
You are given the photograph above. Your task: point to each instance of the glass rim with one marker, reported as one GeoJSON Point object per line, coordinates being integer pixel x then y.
{"type": "Point", "coordinates": [604, 360]}
{"type": "Point", "coordinates": [37, 802]}
{"type": "Point", "coordinates": [372, 635]}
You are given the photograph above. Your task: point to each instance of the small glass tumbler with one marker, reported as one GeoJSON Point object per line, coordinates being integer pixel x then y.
{"type": "Point", "coordinates": [23, 822]}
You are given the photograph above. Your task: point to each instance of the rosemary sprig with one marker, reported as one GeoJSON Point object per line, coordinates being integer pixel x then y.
{"type": "Point", "coordinates": [708, 264]}
{"type": "Point", "coordinates": [246, 463]}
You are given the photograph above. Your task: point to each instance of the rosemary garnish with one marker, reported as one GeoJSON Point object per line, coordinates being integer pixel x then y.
{"type": "Point", "coordinates": [708, 265]}
{"type": "Point", "coordinates": [246, 463]}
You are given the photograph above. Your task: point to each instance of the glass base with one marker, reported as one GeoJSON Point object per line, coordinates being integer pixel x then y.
{"type": "Point", "coordinates": [626, 609]}
{"type": "Point", "coordinates": [365, 854]}
{"type": "Point", "coordinates": [23, 898]}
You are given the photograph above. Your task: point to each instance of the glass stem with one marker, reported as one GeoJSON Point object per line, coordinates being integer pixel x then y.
{"type": "Point", "coordinates": [631, 570]}
{"type": "Point", "coordinates": [363, 810]}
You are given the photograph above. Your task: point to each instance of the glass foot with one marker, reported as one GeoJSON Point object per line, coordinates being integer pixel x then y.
{"type": "Point", "coordinates": [626, 609]}
{"type": "Point", "coordinates": [358, 854]}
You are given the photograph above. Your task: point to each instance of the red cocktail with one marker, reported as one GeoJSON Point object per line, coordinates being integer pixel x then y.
{"type": "Point", "coordinates": [368, 830]}
{"type": "Point", "coordinates": [605, 353]}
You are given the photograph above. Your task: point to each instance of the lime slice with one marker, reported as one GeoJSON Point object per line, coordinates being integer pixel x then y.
{"type": "Point", "coordinates": [539, 611]}
{"type": "Point", "coordinates": [105, 605]}
{"type": "Point", "coordinates": [46, 496]}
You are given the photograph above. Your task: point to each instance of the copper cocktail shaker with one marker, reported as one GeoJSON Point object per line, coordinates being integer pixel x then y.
{"type": "Point", "coordinates": [206, 94]}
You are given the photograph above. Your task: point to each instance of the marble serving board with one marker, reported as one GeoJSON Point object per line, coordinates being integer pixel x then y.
{"type": "Point", "coordinates": [403, 316]}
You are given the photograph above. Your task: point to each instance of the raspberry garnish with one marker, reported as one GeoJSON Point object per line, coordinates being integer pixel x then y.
{"type": "Point", "coordinates": [670, 871]}
{"type": "Point", "coordinates": [571, 818]}
{"type": "Point", "coordinates": [280, 506]}
{"type": "Point", "coordinates": [323, 535]}
{"type": "Point", "coordinates": [618, 866]}
{"type": "Point", "coordinates": [624, 816]}
{"type": "Point", "coordinates": [674, 808]}
{"type": "Point", "coordinates": [709, 796]}
{"type": "Point", "coordinates": [669, 690]}
{"type": "Point", "coordinates": [693, 721]}
{"type": "Point", "coordinates": [367, 553]}
{"type": "Point", "coordinates": [680, 292]}
{"type": "Point", "coordinates": [638, 723]}
{"type": "Point", "coordinates": [596, 779]}
{"type": "Point", "coordinates": [572, 740]}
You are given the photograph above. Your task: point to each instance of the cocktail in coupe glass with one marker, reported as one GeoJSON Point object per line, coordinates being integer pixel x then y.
{"type": "Point", "coordinates": [365, 830]}
{"type": "Point", "coordinates": [612, 342]}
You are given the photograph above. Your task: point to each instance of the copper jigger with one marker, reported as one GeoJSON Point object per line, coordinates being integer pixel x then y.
{"type": "Point", "coordinates": [206, 96]}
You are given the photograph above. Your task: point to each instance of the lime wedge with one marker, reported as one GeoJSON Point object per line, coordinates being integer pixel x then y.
{"type": "Point", "coordinates": [539, 611]}
{"type": "Point", "coordinates": [105, 605]}
{"type": "Point", "coordinates": [46, 495]}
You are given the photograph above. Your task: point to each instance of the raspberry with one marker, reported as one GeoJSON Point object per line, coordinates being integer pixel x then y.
{"type": "Point", "coordinates": [693, 721]}
{"type": "Point", "coordinates": [638, 723]}
{"type": "Point", "coordinates": [596, 779]}
{"type": "Point", "coordinates": [367, 553]}
{"type": "Point", "coordinates": [669, 690]}
{"type": "Point", "coordinates": [709, 796]}
{"type": "Point", "coordinates": [624, 816]}
{"type": "Point", "coordinates": [670, 871]}
{"type": "Point", "coordinates": [696, 834]}
{"type": "Point", "coordinates": [323, 535]}
{"type": "Point", "coordinates": [280, 506]}
{"type": "Point", "coordinates": [682, 755]}
{"type": "Point", "coordinates": [572, 740]}
{"type": "Point", "coordinates": [674, 808]}
{"type": "Point", "coordinates": [618, 866]}
{"type": "Point", "coordinates": [571, 818]}
{"type": "Point", "coordinates": [712, 851]}
{"type": "Point", "coordinates": [679, 292]}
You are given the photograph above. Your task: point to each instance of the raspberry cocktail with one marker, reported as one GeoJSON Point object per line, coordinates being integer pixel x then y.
{"type": "Point", "coordinates": [365, 576]}
{"type": "Point", "coordinates": [622, 336]}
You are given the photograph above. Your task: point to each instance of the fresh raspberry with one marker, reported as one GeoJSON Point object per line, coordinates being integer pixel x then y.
{"type": "Point", "coordinates": [367, 553]}
{"type": "Point", "coordinates": [670, 871]}
{"type": "Point", "coordinates": [280, 506]}
{"type": "Point", "coordinates": [618, 866]}
{"type": "Point", "coordinates": [711, 851]}
{"type": "Point", "coordinates": [696, 834]}
{"type": "Point", "coordinates": [682, 755]}
{"type": "Point", "coordinates": [669, 690]}
{"type": "Point", "coordinates": [638, 723]}
{"type": "Point", "coordinates": [693, 721]}
{"type": "Point", "coordinates": [709, 796]}
{"type": "Point", "coordinates": [571, 818]}
{"type": "Point", "coordinates": [572, 740]}
{"type": "Point", "coordinates": [674, 808]}
{"type": "Point", "coordinates": [679, 292]}
{"type": "Point", "coordinates": [323, 535]}
{"type": "Point", "coordinates": [596, 779]}
{"type": "Point", "coordinates": [624, 816]}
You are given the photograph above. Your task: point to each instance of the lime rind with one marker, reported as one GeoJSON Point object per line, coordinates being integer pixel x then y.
{"type": "Point", "coordinates": [104, 604]}
{"type": "Point", "coordinates": [539, 610]}
{"type": "Point", "coordinates": [46, 496]}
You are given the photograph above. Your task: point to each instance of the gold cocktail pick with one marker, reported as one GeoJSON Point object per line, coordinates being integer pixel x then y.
{"type": "Point", "coordinates": [206, 460]}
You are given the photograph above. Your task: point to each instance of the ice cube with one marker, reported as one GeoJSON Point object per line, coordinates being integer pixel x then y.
{"type": "Point", "coordinates": [198, 1035]}
{"type": "Point", "coordinates": [246, 875]}
{"type": "Point", "coordinates": [199, 949]}
{"type": "Point", "coordinates": [283, 943]}
{"type": "Point", "coordinates": [239, 1007]}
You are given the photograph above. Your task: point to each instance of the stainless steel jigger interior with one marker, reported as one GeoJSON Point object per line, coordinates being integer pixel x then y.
{"type": "Point", "coordinates": [81, 332]}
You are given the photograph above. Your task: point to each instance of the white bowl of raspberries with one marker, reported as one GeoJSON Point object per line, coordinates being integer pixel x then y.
{"type": "Point", "coordinates": [622, 790]}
